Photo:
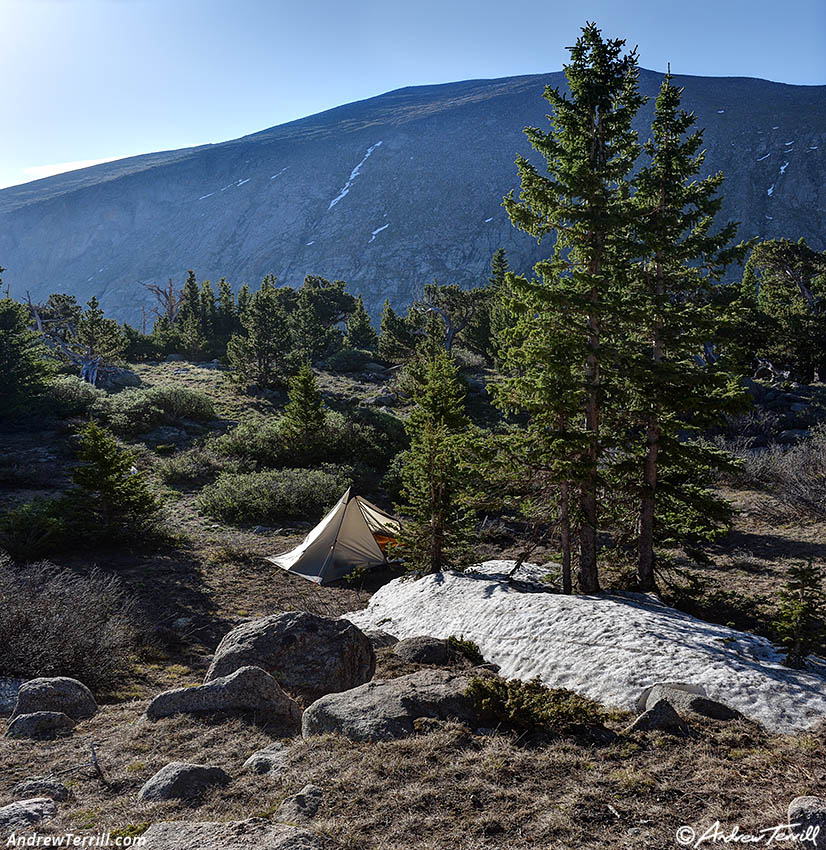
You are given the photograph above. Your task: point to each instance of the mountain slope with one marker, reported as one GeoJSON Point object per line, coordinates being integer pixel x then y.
{"type": "Point", "coordinates": [385, 193]}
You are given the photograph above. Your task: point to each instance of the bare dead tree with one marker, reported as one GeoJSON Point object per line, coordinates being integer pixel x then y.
{"type": "Point", "coordinates": [169, 300]}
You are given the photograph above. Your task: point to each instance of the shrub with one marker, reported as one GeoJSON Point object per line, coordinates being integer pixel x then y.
{"type": "Point", "coordinates": [73, 397]}
{"type": "Point", "coordinates": [260, 497]}
{"type": "Point", "coordinates": [531, 706]}
{"type": "Point", "coordinates": [349, 360]}
{"type": "Point", "coordinates": [54, 622]}
{"type": "Point", "coordinates": [196, 465]}
{"type": "Point", "coordinates": [31, 531]}
{"type": "Point", "coordinates": [136, 411]}
{"type": "Point", "coordinates": [801, 621]}
{"type": "Point", "coordinates": [182, 403]}
{"type": "Point", "coordinates": [467, 647]}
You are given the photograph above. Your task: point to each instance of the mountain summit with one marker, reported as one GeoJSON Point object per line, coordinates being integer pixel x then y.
{"type": "Point", "coordinates": [385, 193]}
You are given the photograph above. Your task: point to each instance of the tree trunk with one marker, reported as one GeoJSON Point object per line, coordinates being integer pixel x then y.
{"type": "Point", "coordinates": [565, 531]}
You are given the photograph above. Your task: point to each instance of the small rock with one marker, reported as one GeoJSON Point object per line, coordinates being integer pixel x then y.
{"type": "Point", "coordinates": [271, 758]}
{"type": "Point", "coordinates": [182, 781]}
{"type": "Point", "coordinates": [379, 639]}
{"type": "Point", "coordinates": [39, 724]}
{"type": "Point", "coordinates": [792, 435]}
{"type": "Point", "coordinates": [181, 624]}
{"type": "Point", "coordinates": [810, 813]}
{"type": "Point", "coordinates": [113, 378]}
{"type": "Point", "coordinates": [427, 650]}
{"type": "Point", "coordinates": [38, 787]}
{"type": "Point", "coordinates": [166, 434]}
{"type": "Point", "coordinates": [174, 358]}
{"type": "Point", "coordinates": [684, 698]}
{"type": "Point", "coordinates": [26, 813]}
{"type": "Point", "coordinates": [374, 368]}
{"type": "Point", "coordinates": [660, 717]}
{"type": "Point", "coordinates": [262, 529]}
{"type": "Point", "coordinates": [799, 407]}
{"type": "Point", "coordinates": [56, 693]}
{"type": "Point", "coordinates": [301, 806]}
{"type": "Point", "coordinates": [9, 688]}
{"type": "Point", "coordinates": [247, 689]}
{"type": "Point", "coordinates": [383, 400]}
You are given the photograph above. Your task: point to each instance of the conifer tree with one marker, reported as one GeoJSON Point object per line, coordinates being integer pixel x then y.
{"type": "Point", "coordinates": [227, 320]}
{"type": "Point", "coordinates": [433, 478]}
{"type": "Point", "coordinates": [191, 336]}
{"type": "Point", "coordinates": [360, 332]}
{"type": "Point", "coordinates": [190, 298]}
{"type": "Point", "coordinates": [208, 312]}
{"type": "Point", "coordinates": [397, 340]}
{"type": "Point", "coordinates": [680, 258]}
{"type": "Point", "coordinates": [109, 500]}
{"type": "Point", "coordinates": [304, 414]}
{"type": "Point", "coordinates": [584, 197]}
{"type": "Point", "coordinates": [259, 354]}
{"type": "Point", "coordinates": [99, 336]}
{"type": "Point", "coordinates": [24, 363]}
{"type": "Point", "coordinates": [801, 620]}
{"type": "Point", "coordinates": [244, 299]}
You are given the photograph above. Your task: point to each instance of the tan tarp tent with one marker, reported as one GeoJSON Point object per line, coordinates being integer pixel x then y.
{"type": "Point", "coordinates": [351, 536]}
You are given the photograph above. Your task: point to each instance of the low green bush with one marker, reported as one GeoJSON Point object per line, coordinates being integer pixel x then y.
{"type": "Point", "coordinates": [136, 411]}
{"type": "Point", "coordinates": [182, 403]}
{"type": "Point", "coordinates": [261, 497]}
{"type": "Point", "coordinates": [197, 465]}
{"type": "Point", "coordinates": [531, 706]}
{"type": "Point", "coordinates": [73, 397]}
{"type": "Point", "coordinates": [349, 360]}
{"type": "Point", "coordinates": [468, 648]}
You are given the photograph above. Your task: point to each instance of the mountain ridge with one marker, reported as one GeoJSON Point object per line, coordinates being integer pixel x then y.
{"type": "Point", "coordinates": [422, 169]}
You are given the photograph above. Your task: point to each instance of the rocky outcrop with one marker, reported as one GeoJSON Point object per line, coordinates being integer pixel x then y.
{"type": "Point", "coordinates": [309, 655]}
{"type": "Point", "coordinates": [383, 710]}
{"type": "Point", "coordinates": [247, 689]}
{"type": "Point", "coordinates": [301, 806]}
{"type": "Point", "coordinates": [251, 834]}
{"type": "Point", "coordinates": [660, 717]}
{"type": "Point", "coordinates": [23, 813]}
{"type": "Point", "coordinates": [58, 693]}
{"type": "Point", "coordinates": [40, 724]}
{"type": "Point", "coordinates": [267, 760]}
{"type": "Point", "coordinates": [182, 781]}
{"type": "Point", "coordinates": [690, 699]}
{"type": "Point", "coordinates": [379, 639]}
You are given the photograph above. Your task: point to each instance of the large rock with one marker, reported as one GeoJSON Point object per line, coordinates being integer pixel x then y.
{"type": "Point", "coordinates": [307, 654]}
{"type": "Point", "coordinates": [427, 650]}
{"type": "Point", "coordinates": [247, 689]}
{"type": "Point", "coordinates": [25, 813]}
{"type": "Point", "coordinates": [9, 688]}
{"type": "Point", "coordinates": [41, 788]}
{"type": "Point", "coordinates": [271, 758]}
{"type": "Point", "coordinates": [686, 699]}
{"type": "Point", "coordinates": [660, 717]}
{"type": "Point", "coordinates": [251, 834]}
{"type": "Point", "coordinates": [301, 806]}
{"type": "Point", "coordinates": [113, 378]}
{"type": "Point", "coordinates": [39, 724]}
{"type": "Point", "coordinates": [380, 639]}
{"type": "Point", "coordinates": [383, 710]}
{"type": "Point", "coordinates": [810, 814]}
{"type": "Point", "coordinates": [58, 693]}
{"type": "Point", "coordinates": [182, 781]}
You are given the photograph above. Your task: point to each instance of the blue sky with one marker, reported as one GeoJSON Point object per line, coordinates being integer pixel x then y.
{"type": "Point", "coordinates": [89, 80]}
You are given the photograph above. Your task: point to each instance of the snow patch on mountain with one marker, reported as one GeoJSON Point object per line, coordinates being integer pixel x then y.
{"type": "Point", "coordinates": [353, 174]}
{"type": "Point", "coordinates": [378, 230]}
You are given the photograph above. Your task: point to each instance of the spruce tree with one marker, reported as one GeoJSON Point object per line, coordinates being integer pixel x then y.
{"type": "Point", "coordinates": [360, 332]}
{"type": "Point", "coordinates": [680, 258]}
{"type": "Point", "coordinates": [208, 313]}
{"type": "Point", "coordinates": [190, 299]}
{"type": "Point", "coordinates": [24, 362]}
{"type": "Point", "coordinates": [584, 198]}
{"type": "Point", "coordinates": [244, 299]}
{"type": "Point", "coordinates": [433, 477]}
{"type": "Point", "coordinates": [259, 353]}
{"type": "Point", "coordinates": [227, 315]}
{"type": "Point", "coordinates": [304, 414]}
{"type": "Point", "coordinates": [801, 621]}
{"type": "Point", "coordinates": [98, 336]}
{"type": "Point", "coordinates": [397, 340]}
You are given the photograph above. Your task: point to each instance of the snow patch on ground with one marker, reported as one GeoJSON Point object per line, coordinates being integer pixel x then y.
{"type": "Point", "coordinates": [353, 174]}
{"type": "Point", "coordinates": [607, 647]}
{"type": "Point", "coordinates": [245, 180]}
{"type": "Point", "coordinates": [720, 111]}
{"type": "Point", "coordinates": [784, 167]}
{"type": "Point", "coordinates": [761, 158]}
{"type": "Point", "coordinates": [770, 190]}
{"type": "Point", "coordinates": [488, 219]}
{"type": "Point", "coordinates": [206, 196]}
{"type": "Point", "coordinates": [377, 230]}
{"type": "Point", "coordinates": [310, 243]}
{"type": "Point", "coordinates": [280, 172]}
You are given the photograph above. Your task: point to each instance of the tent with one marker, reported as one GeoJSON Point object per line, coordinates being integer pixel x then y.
{"type": "Point", "coordinates": [353, 535]}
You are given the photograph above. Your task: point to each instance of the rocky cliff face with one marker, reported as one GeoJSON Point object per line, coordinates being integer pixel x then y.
{"type": "Point", "coordinates": [386, 193]}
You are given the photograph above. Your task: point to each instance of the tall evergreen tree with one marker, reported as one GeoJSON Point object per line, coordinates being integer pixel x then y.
{"type": "Point", "coordinates": [99, 336]}
{"type": "Point", "coordinates": [432, 473]}
{"type": "Point", "coordinates": [259, 354]}
{"type": "Point", "coordinates": [190, 299]}
{"type": "Point", "coordinates": [584, 197]}
{"type": "Point", "coordinates": [208, 313]}
{"type": "Point", "coordinates": [360, 332]}
{"type": "Point", "coordinates": [397, 340]}
{"type": "Point", "coordinates": [304, 414]}
{"type": "Point", "coordinates": [244, 299]}
{"type": "Point", "coordinates": [680, 259]}
{"type": "Point", "coordinates": [227, 318]}
{"type": "Point", "coordinates": [24, 362]}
